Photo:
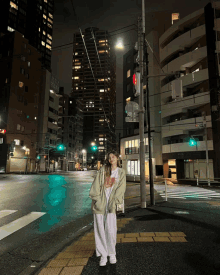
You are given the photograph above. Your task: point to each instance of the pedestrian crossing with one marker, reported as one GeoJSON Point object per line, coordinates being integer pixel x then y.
{"type": "Point", "coordinates": [189, 192]}
{"type": "Point", "coordinates": [17, 224]}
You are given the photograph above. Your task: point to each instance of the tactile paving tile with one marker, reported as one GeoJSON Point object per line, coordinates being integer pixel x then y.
{"type": "Point", "coordinates": [58, 263]}
{"type": "Point", "coordinates": [177, 234]}
{"type": "Point", "coordinates": [132, 235]}
{"type": "Point", "coordinates": [51, 271]}
{"type": "Point", "coordinates": [147, 234]}
{"type": "Point", "coordinates": [145, 239]}
{"type": "Point", "coordinates": [162, 234]}
{"type": "Point", "coordinates": [178, 239]}
{"type": "Point", "coordinates": [128, 240]}
{"type": "Point", "coordinates": [79, 248]}
{"type": "Point", "coordinates": [76, 270]}
{"type": "Point", "coordinates": [161, 239]}
{"type": "Point", "coordinates": [78, 261]}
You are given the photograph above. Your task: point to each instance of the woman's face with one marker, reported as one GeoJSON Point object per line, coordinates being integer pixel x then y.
{"type": "Point", "coordinates": [113, 159]}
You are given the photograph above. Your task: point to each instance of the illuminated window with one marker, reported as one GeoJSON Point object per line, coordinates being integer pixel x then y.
{"type": "Point", "coordinates": [76, 77]}
{"type": "Point", "coordinates": [128, 73]}
{"type": "Point", "coordinates": [128, 99]}
{"type": "Point", "coordinates": [101, 79]}
{"type": "Point", "coordinates": [49, 42]}
{"type": "Point", "coordinates": [49, 25]}
{"type": "Point", "coordinates": [101, 91]}
{"type": "Point", "coordinates": [44, 16]}
{"type": "Point", "coordinates": [102, 44]}
{"type": "Point", "coordinates": [175, 16]}
{"type": "Point", "coordinates": [50, 20]}
{"type": "Point", "coordinates": [101, 143]}
{"type": "Point", "coordinates": [13, 5]}
{"type": "Point", "coordinates": [17, 141]}
{"type": "Point", "coordinates": [45, 1]}
{"type": "Point", "coordinates": [39, 29]}
{"type": "Point", "coordinates": [21, 84]}
{"type": "Point", "coordinates": [49, 36]}
{"type": "Point", "coordinates": [44, 33]}
{"type": "Point", "coordinates": [77, 67]}
{"type": "Point", "coordinates": [77, 88]}
{"type": "Point", "coordinates": [101, 51]}
{"type": "Point", "coordinates": [11, 29]}
{"type": "Point", "coordinates": [51, 16]}
{"type": "Point", "coordinates": [43, 43]}
{"type": "Point", "coordinates": [49, 47]}
{"type": "Point", "coordinates": [18, 127]}
{"type": "Point", "coordinates": [101, 41]}
{"type": "Point", "coordinates": [76, 53]}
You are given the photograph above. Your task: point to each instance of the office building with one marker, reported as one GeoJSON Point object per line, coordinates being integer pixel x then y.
{"type": "Point", "coordinates": [97, 88]}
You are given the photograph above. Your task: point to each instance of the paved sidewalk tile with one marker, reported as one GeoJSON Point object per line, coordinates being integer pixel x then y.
{"type": "Point", "coordinates": [72, 270]}
{"type": "Point", "coordinates": [177, 234]}
{"type": "Point", "coordinates": [51, 271]}
{"type": "Point", "coordinates": [162, 234]}
{"type": "Point", "coordinates": [128, 240]}
{"type": "Point", "coordinates": [79, 248]}
{"type": "Point", "coordinates": [161, 239]}
{"type": "Point", "coordinates": [147, 234]}
{"type": "Point", "coordinates": [58, 263]}
{"type": "Point", "coordinates": [78, 261]}
{"type": "Point", "coordinates": [145, 239]}
{"type": "Point", "coordinates": [178, 239]}
{"type": "Point", "coordinates": [132, 235]}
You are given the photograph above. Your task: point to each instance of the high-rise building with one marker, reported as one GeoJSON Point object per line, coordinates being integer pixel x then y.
{"type": "Point", "coordinates": [190, 103]}
{"type": "Point", "coordinates": [33, 19]}
{"type": "Point", "coordinates": [94, 80]}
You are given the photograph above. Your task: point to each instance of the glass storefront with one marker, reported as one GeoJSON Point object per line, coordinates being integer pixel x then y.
{"type": "Point", "coordinates": [133, 167]}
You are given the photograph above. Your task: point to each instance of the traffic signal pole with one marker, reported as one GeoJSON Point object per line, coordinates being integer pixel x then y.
{"type": "Point", "coordinates": [141, 29]}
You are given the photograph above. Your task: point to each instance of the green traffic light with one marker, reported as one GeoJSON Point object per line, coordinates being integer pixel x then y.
{"type": "Point", "coordinates": [94, 148]}
{"type": "Point", "coordinates": [60, 147]}
{"type": "Point", "coordinates": [38, 157]}
{"type": "Point", "coordinates": [192, 142]}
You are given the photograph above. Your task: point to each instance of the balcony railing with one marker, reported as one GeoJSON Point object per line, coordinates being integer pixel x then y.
{"type": "Point", "coordinates": [135, 150]}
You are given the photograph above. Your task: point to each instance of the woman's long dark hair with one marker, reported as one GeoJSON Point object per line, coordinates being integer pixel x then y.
{"type": "Point", "coordinates": [108, 164]}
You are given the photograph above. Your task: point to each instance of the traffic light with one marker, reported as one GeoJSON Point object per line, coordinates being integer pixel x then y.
{"type": "Point", "coordinates": [2, 131]}
{"type": "Point", "coordinates": [192, 142]}
{"type": "Point", "coordinates": [60, 147]}
{"type": "Point", "coordinates": [94, 148]}
{"type": "Point", "coordinates": [137, 83]}
{"type": "Point", "coordinates": [38, 157]}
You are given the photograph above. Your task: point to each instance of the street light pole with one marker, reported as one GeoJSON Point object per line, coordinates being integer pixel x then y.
{"type": "Point", "coordinates": [141, 29]}
{"type": "Point", "coordinates": [206, 147]}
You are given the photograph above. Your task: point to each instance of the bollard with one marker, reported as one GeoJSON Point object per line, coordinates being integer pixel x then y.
{"type": "Point", "coordinates": [197, 180]}
{"type": "Point", "coordinates": [165, 190]}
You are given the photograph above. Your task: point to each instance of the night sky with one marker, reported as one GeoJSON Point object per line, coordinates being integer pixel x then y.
{"type": "Point", "coordinates": [107, 15]}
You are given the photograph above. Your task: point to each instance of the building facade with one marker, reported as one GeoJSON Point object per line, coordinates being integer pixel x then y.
{"type": "Point", "coordinates": [33, 19]}
{"type": "Point", "coordinates": [94, 80]}
{"type": "Point", "coordinates": [48, 121]}
{"type": "Point", "coordinates": [19, 85]}
{"type": "Point", "coordinates": [191, 47]}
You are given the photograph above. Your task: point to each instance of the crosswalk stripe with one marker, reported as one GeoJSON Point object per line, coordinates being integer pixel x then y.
{"type": "Point", "coordinates": [4, 213]}
{"type": "Point", "coordinates": [12, 227]}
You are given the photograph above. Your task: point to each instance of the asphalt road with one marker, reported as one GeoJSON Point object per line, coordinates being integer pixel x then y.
{"type": "Point", "coordinates": [37, 212]}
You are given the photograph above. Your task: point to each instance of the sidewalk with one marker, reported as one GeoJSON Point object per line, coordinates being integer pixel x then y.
{"type": "Point", "coordinates": [168, 238]}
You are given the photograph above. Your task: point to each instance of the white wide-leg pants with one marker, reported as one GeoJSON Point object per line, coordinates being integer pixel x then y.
{"type": "Point", "coordinates": [105, 229]}
{"type": "Point", "coordinates": [105, 234]}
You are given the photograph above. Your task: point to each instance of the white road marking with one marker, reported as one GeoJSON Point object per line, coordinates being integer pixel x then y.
{"type": "Point", "coordinates": [14, 226]}
{"type": "Point", "coordinates": [4, 213]}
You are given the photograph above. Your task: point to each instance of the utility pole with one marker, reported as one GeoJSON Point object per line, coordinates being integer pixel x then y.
{"type": "Point", "coordinates": [206, 147]}
{"type": "Point", "coordinates": [141, 29]}
{"type": "Point", "coordinates": [149, 139]}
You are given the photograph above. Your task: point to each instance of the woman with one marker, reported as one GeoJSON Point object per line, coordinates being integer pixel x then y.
{"type": "Point", "coordinates": [106, 192]}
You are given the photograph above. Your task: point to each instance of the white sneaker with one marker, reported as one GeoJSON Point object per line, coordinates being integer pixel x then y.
{"type": "Point", "coordinates": [103, 261]}
{"type": "Point", "coordinates": [113, 259]}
